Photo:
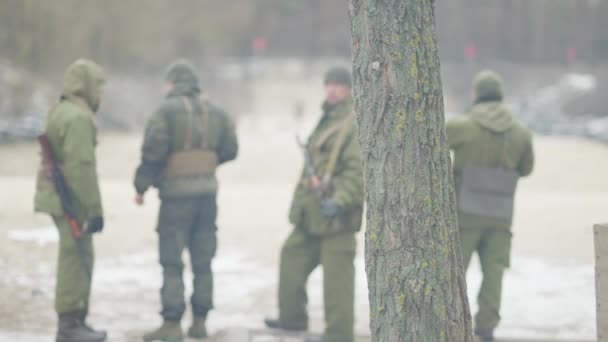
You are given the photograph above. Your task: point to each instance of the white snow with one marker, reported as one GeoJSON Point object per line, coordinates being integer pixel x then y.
{"type": "Point", "coordinates": [543, 300]}
{"type": "Point", "coordinates": [40, 236]}
{"type": "Point", "coordinates": [584, 82]}
{"type": "Point", "coordinates": [22, 336]}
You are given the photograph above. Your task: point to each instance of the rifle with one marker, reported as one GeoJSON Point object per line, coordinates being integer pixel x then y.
{"type": "Point", "coordinates": [56, 176]}
{"type": "Point", "coordinates": [310, 169]}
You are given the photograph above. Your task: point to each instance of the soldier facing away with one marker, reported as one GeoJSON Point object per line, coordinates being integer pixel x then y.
{"type": "Point", "coordinates": [185, 141]}
{"type": "Point", "coordinates": [492, 150]}
{"type": "Point", "coordinates": [71, 135]}
{"type": "Point", "coordinates": [326, 212]}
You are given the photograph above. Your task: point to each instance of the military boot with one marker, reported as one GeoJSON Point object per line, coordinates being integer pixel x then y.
{"type": "Point", "coordinates": [72, 329]}
{"type": "Point", "coordinates": [276, 324]}
{"type": "Point", "coordinates": [484, 336]}
{"type": "Point", "coordinates": [170, 331]}
{"type": "Point", "coordinates": [198, 328]}
{"type": "Point", "coordinates": [82, 316]}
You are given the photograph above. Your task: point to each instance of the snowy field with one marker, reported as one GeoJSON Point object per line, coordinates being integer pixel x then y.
{"type": "Point", "coordinates": [549, 291]}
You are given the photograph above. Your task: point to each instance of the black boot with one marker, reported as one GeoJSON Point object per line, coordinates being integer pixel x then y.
{"type": "Point", "coordinates": [276, 324]}
{"type": "Point", "coordinates": [198, 328]}
{"type": "Point", "coordinates": [73, 329]}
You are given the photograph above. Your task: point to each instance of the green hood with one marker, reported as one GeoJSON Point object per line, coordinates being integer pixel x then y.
{"type": "Point", "coordinates": [84, 79]}
{"type": "Point", "coordinates": [494, 116]}
{"type": "Point", "coordinates": [182, 75]}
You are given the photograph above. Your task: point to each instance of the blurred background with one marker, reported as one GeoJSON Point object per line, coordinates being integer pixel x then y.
{"type": "Point", "coordinates": [535, 44]}
{"type": "Point", "coordinates": [264, 61]}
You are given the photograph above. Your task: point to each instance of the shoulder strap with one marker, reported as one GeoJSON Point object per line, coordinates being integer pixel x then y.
{"type": "Point", "coordinates": [203, 124]}
{"type": "Point", "coordinates": [328, 133]}
{"type": "Point", "coordinates": [505, 147]}
{"type": "Point", "coordinates": [344, 128]}
{"type": "Point", "coordinates": [188, 141]}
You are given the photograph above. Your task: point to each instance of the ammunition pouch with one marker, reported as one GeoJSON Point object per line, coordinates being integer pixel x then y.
{"type": "Point", "coordinates": [194, 162]}
{"type": "Point", "coordinates": [487, 192]}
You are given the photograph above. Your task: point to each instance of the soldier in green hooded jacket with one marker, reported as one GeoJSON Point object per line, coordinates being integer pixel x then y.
{"type": "Point", "coordinates": [185, 141]}
{"type": "Point", "coordinates": [72, 137]}
{"type": "Point", "coordinates": [326, 212]}
{"type": "Point", "coordinates": [491, 151]}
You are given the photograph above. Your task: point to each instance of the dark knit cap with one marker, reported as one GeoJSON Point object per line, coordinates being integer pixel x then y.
{"type": "Point", "coordinates": [338, 75]}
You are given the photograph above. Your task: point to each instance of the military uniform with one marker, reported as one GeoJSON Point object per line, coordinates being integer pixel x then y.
{"type": "Point", "coordinates": [318, 240]}
{"type": "Point", "coordinates": [71, 133]}
{"type": "Point", "coordinates": [185, 140]}
{"type": "Point", "coordinates": [488, 136]}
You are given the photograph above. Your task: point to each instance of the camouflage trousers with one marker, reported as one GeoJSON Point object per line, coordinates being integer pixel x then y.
{"type": "Point", "coordinates": [73, 286]}
{"type": "Point", "coordinates": [494, 249]}
{"type": "Point", "coordinates": [187, 223]}
{"type": "Point", "coordinates": [300, 255]}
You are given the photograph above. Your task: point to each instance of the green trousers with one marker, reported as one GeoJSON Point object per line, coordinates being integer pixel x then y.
{"type": "Point", "coordinates": [300, 255]}
{"type": "Point", "coordinates": [187, 223]}
{"type": "Point", "coordinates": [73, 286]}
{"type": "Point", "coordinates": [494, 248]}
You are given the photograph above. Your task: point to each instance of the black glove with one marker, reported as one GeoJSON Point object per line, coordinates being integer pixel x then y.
{"type": "Point", "coordinates": [330, 208]}
{"type": "Point", "coordinates": [95, 225]}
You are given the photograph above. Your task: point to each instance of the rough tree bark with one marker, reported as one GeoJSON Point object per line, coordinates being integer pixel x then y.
{"type": "Point", "coordinates": [413, 260]}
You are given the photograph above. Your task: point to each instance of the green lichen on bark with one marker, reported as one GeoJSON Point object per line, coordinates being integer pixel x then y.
{"type": "Point", "coordinates": [401, 300]}
{"type": "Point", "coordinates": [397, 56]}
{"type": "Point", "coordinates": [401, 122]}
{"type": "Point", "coordinates": [414, 66]}
{"type": "Point", "coordinates": [415, 273]}
{"type": "Point", "coordinates": [419, 116]}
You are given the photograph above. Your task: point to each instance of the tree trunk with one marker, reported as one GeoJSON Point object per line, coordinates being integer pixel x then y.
{"type": "Point", "coordinates": [414, 266]}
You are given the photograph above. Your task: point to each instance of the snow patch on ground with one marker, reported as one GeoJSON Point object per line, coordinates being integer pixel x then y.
{"type": "Point", "coordinates": [22, 336]}
{"type": "Point", "coordinates": [40, 236]}
{"type": "Point", "coordinates": [543, 300]}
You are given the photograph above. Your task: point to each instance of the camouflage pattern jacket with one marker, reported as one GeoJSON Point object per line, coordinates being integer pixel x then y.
{"type": "Point", "coordinates": [336, 130]}
{"type": "Point", "coordinates": [180, 122]}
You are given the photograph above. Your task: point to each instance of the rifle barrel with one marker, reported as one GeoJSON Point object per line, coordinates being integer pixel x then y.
{"type": "Point", "coordinates": [61, 188]}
